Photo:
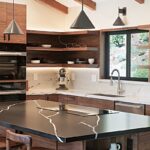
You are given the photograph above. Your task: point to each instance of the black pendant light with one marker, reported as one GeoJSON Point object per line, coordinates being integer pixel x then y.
{"type": "Point", "coordinates": [118, 21]}
{"type": "Point", "coordinates": [82, 21]}
{"type": "Point", "coordinates": [13, 27]}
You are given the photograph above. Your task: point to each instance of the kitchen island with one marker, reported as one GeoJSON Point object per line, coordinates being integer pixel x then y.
{"type": "Point", "coordinates": [70, 124]}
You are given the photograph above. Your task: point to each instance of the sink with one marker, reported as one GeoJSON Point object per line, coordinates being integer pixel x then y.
{"type": "Point", "coordinates": [108, 95]}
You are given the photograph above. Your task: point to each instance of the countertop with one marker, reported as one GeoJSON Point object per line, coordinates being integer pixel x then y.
{"type": "Point", "coordinates": [83, 93]}
{"type": "Point", "coordinates": [43, 118]}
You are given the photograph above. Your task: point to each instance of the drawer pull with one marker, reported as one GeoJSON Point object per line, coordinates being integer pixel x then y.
{"type": "Point", "coordinates": [129, 105]}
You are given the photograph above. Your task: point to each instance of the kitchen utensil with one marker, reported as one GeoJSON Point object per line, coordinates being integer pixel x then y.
{"type": "Point", "coordinates": [78, 61]}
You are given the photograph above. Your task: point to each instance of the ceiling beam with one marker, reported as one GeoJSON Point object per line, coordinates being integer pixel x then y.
{"type": "Point", "coordinates": [140, 1]}
{"type": "Point", "coordinates": [90, 3]}
{"type": "Point", "coordinates": [56, 5]}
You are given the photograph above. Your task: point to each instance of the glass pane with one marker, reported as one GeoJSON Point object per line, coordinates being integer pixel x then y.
{"type": "Point", "coordinates": [117, 55]}
{"type": "Point", "coordinates": [139, 56]}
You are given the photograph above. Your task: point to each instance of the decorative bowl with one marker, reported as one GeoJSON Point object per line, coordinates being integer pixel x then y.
{"type": "Point", "coordinates": [35, 61]}
{"type": "Point", "coordinates": [46, 45]}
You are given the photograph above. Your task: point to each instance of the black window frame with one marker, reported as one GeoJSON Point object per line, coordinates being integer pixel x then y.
{"type": "Point", "coordinates": [128, 54]}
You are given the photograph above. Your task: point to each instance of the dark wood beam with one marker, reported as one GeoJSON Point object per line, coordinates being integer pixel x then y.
{"type": "Point", "coordinates": [90, 3]}
{"type": "Point", "coordinates": [56, 5]}
{"type": "Point", "coordinates": [140, 1]}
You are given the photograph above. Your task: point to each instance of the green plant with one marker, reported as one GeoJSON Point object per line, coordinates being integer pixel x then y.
{"type": "Point", "coordinates": [141, 73]}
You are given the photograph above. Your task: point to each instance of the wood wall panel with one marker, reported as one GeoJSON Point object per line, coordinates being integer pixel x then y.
{"type": "Point", "coordinates": [6, 16]}
{"type": "Point", "coordinates": [20, 17]}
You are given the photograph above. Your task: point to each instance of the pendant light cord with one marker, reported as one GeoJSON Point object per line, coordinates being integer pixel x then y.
{"type": "Point", "coordinates": [118, 12]}
{"type": "Point", "coordinates": [82, 4]}
{"type": "Point", "coordinates": [13, 10]}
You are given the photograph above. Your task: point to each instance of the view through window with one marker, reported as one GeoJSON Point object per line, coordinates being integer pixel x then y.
{"type": "Point", "coordinates": [123, 53]}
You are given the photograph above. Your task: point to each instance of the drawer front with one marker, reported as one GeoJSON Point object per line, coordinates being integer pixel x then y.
{"type": "Point", "coordinates": [72, 99]}
{"type": "Point", "coordinates": [130, 107]}
{"type": "Point", "coordinates": [53, 97]}
{"type": "Point", "coordinates": [36, 97]}
{"type": "Point", "coordinates": [91, 102]}
{"type": "Point", "coordinates": [147, 110]}
{"type": "Point", "coordinates": [63, 98]}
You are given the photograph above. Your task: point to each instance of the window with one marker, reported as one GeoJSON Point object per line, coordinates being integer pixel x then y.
{"type": "Point", "coordinates": [122, 53]}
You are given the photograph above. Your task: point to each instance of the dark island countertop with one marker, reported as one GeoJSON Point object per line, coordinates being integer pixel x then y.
{"type": "Point", "coordinates": [43, 118]}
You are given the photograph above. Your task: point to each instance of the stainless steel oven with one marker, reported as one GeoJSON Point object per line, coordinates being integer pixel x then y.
{"type": "Point", "coordinates": [12, 65]}
{"type": "Point", "coordinates": [12, 71]}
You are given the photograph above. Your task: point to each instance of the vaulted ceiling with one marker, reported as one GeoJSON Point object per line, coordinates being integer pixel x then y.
{"type": "Point", "coordinates": [63, 8]}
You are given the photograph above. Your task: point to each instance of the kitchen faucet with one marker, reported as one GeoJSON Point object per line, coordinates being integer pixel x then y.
{"type": "Point", "coordinates": [119, 88]}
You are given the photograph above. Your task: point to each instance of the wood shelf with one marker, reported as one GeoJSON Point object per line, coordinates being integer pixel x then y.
{"type": "Point", "coordinates": [43, 65]}
{"type": "Point", "coordinates": [144, 27]}
{"type": "Point", "coordinates": [88, 40]}
{"type": "Point", "coordinates": [64, 65]}
{"type": "Point", "coordinates": [81, 65]}
{"type": "Point", "coordinates": [63, 33]}
{"type": "Point", "coordinates": [12, 81]}
{"type": "Point", "coordinates": [62, 49]}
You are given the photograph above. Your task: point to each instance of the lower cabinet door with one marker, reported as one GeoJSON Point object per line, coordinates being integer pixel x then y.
{"type": "Point", "coordinates": [53, 97]}
{"type": "Point", "coordinates": [36, 97]}
{"type": "Point", "coordinates": [97, 103]}
{"type": "Point", "coordinates": [130, 107]}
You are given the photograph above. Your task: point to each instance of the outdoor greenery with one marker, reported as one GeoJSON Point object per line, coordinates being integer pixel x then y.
{"type": "Point", "coordinates": [118, 51]}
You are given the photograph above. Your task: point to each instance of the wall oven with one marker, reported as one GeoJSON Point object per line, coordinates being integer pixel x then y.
{"type": "Point", "coordinates": [12, 65]}
{"type": "Point", "coordinates": [12, 71]}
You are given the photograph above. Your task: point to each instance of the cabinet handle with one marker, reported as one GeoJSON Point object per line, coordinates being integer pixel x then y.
{"type": "Point", "coordinates": [8, 37]}
{"type": "Point", "coordinates": [4, 37]}
{"type": "Point", "coordinates": [129, 105]}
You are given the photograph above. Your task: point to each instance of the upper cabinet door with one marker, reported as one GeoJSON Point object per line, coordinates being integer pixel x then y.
{"type": "Point", "coordinates": [6, 17]}
{"type": "Point", "coordinates": [3, 20]}
{"type": "Point", "coordinates": [20, 17]}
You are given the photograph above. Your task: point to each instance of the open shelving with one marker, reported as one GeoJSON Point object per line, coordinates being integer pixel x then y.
{"type": "Point", "coordinates": [62, 49]}
{"type": "Point", "coordinates": [63, 65]}
{"type": "Point", "coordinates": [66, 46]}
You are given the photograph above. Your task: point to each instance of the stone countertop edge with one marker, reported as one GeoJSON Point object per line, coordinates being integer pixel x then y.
{"type": "Point", "coordinates": [88, 94]}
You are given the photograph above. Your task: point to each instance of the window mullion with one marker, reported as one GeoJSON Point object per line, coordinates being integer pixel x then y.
{"type": "Point", "coordinates": [128, 56]}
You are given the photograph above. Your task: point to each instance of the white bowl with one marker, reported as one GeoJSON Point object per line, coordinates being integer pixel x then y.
{"type": "Point", "coordinates": [35, 61]}
{"type": "Point", "coordinates": [70, 62]}
{"type": "Point", "coordinates": [46, 45]}
{"type": "Point", "coordinates": [91, 60]}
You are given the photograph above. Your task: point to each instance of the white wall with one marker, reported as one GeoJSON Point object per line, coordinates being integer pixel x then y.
{"type": "Point", "coordinates": [43, 17]}
{"type": "Point", "coordinates": [106, 13]}
{"type": "Point", "coordinates": [48, 18]}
